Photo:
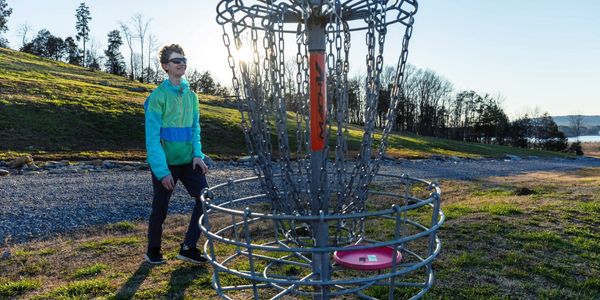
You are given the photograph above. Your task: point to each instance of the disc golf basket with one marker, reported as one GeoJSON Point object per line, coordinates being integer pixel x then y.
{"type": "Point", "coordinates": [318, 220]}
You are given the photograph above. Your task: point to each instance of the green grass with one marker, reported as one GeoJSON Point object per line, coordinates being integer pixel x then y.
{"type": "Point", "coordinates": [90, 271]}
{"type": "Point", "coordinates": [52, 110]}
{"type": "Point", "coordinates": [15, 288]}
{"type": "Point", "coordinates": [84, 289]}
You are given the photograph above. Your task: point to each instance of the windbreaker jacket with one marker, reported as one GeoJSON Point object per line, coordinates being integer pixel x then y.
{"type": "Point", "coordinates": [172, 127]}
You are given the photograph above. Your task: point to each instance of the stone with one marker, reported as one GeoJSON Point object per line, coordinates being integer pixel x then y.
{"type": "Point", "coordinates": [245, 159]}
{"type": "Point", "coordinates": [32, 173]}
{"type": "Point", "coordinates": [4, 172]}
{"type": "Point", "coordinates": [209, 162]}
{"type": "Point", "coordinates": [19, 162]}
{"type": "Point", "coordinates": [6, 254]}
{"type": "Point", "coordinates": [512, 157]}
{"type": "Point", "coordinates": [96, 163]}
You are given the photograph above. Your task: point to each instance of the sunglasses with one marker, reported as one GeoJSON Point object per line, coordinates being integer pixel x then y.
{"type": "Point", "coordinates": [178, 60]}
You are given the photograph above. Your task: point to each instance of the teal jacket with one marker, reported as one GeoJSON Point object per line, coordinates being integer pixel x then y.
{"type": "Point", "coordinates": [172, 127]}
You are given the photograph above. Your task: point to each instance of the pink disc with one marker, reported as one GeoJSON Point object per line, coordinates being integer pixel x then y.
{"type": "Point", "coordinates": [366, 259]}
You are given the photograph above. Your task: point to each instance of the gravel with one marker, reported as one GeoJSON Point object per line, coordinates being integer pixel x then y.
{"type": "Point", "coordinates": [42, 205]}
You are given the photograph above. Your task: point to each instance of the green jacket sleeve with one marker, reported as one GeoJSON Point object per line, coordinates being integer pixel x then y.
{"type": "Point", "coordinates": [153, 122]}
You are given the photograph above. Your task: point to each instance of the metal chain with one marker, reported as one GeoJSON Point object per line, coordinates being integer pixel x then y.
{"type": "Point", "coordinates": [260, 87]}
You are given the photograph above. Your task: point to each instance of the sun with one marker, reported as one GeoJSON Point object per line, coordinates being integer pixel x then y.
{"type": "Point", "coordinates": [244, 55]}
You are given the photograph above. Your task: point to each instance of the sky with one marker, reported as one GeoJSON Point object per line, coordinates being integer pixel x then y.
{"type": "Point", "coordinates": [539, 55]}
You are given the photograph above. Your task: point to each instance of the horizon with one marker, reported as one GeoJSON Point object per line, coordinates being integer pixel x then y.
{"type": "Point", "coordinates": [530, 60]}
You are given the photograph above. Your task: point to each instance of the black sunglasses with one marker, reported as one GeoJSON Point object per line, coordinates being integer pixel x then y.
{"type": "Point", "coordinates": [178, 60]}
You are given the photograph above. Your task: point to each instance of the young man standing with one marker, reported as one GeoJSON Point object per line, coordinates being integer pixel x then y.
{"type": "Point", "coordinates": [174, 153]}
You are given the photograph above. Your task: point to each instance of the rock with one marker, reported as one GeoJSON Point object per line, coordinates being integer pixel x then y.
{"type": "Point", "coordinates": [19, 162]}
{"type": "Point", "coordinates": [56, 164]}
{"type": "Point", "coordinates": [6, 254]}
{"type": "Point", "coordinates": [512, 157]}
{"type": "Point", "coordinates": [4, 172]}
{"type": "Point", "coordinates": [209, 162]}
{"type": "Point", "coordinates": [128, 168]}
{"type": "Point", "coordinates": [246, 159]}
{"type": "Point", "coordinates": [96, 163]}
{"type": "Point", "coordinates": [454, 158]}
{"type": "Point", "coordinates": [437, 157]}
{"type": "Point", "coordinates": [31, 167]}
{"type": "Point", "coordinates": [32, 173]}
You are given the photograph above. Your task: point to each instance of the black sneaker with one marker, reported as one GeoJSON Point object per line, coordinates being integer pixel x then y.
{"type": "Point", "coordinates": [154, 256]}
{"type": "Point", "coordinates": [191, 255]}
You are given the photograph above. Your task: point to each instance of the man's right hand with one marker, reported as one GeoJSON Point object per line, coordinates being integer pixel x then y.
{"type": "Point", "coordinates": [168, 182]}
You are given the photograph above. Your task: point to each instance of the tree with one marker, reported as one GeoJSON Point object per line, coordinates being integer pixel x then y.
{"type": "Point", "coordinates": [576, 122]}
{"type": "Point", "coordinates": [129, 40]}
{"type": "Point", "coordinates": [114, 59]}
{"type": "Point", "coordinates": [23, 32]}
{"type": "Point", "coordinates": [152, 47]}
{"type": "Point", "coordinates": [83, 30]}
{"type": "Point", "coordinates": [55, 47]}
{"type": "Point", "coordinates": [72, 51]}
{"type": "Point", "coordinates": [46, 45]}
{"type": "Point", "coordinates": [141, 27]}
{"type": "Point", "coordinates": [4, 14]}
{"type": "Point", "coordinates": [92, 59]}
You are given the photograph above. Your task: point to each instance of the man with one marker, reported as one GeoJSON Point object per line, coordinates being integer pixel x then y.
{"type": "Point", "coordinates": [174, 153]}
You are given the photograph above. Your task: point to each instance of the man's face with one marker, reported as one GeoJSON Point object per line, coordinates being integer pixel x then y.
{"type": "Point", "coordinates": [176, 65]}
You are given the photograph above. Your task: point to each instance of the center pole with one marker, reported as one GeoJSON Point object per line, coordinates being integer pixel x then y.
{"type": "Point", "coordinates": [318, 126]}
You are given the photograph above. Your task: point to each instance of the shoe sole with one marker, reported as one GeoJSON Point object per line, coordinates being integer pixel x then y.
{"type": "Point", "coordinates": [187, 259]}
{"type": "Point", "coordinates": [153, 262]}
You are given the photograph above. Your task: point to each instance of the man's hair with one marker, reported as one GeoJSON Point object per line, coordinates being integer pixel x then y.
{"type": "Point", "coordinates": [166, 51]}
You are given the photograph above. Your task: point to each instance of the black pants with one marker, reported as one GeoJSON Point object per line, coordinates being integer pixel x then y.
{"type": "Point", "coordinates": [194, 182]}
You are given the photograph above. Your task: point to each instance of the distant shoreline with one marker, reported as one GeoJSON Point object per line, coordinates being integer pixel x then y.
{"type": "Point", "coordinates": [585, 139]}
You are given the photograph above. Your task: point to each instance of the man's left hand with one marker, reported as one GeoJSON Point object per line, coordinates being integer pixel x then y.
{"type": "Point", "coordinates": [198, 162]}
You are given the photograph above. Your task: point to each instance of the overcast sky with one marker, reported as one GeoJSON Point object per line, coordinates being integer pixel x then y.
{"type": "Point", "coordinates": [541, 54]}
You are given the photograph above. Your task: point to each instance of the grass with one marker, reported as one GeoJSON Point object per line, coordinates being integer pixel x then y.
{"type": "Point", "coordinates": [54, 111]}
{"type": "Point", "coordinates": [496, 245]}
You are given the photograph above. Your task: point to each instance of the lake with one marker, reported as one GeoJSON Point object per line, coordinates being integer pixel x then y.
{"type": "Point", "coordinates": [585, 138]}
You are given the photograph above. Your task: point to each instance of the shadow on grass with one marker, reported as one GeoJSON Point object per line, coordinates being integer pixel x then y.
{"type": "Point", "coordinates": [186, 275]}
{"type": "Point", "coordinates": [133, 283]}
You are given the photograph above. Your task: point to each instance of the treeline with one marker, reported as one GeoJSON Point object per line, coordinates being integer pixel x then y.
{"type": "Point", "coordinates": [428, 105]}
{"type": "Point", "coordinates": [141, 64]}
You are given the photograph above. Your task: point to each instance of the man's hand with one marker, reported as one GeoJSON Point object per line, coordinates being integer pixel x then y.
{"type": "Point", "coordinates": [197, 161]}
{"type": "Point", "coordinates": [168, 182]}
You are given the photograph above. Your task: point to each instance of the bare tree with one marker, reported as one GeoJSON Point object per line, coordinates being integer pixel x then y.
{"type": "Point", "coordinates": [128, 37]}
{"type": "Point", "coordinates": [141, 27]}
{"type": "Point", "coordinates": [24, 30]}
{"type": "Point", "coordinates": [576, 122]}
{"type": "Point", "coordinates": [152, 47]}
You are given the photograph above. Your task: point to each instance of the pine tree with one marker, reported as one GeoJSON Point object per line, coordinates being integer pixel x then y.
{"type": "Point", "coordinates": [114, 59]}
{"type": "Point", "coordinates": [4, 14]}
{"type": "Point", "coordinates": [83, 30]}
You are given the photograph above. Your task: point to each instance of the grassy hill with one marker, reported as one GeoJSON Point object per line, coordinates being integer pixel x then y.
{"type": "Point", "coordinates": [54, 110]}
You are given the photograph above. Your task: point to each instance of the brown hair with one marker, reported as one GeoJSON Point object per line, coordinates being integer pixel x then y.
{"type": "Point", "coordinates": [166, 51]}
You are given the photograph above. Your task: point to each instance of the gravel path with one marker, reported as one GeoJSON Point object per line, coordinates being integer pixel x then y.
{"type": "Point", "coordinates": [41, 205]}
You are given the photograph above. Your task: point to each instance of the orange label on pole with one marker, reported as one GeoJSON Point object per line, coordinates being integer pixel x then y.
{"type": "Point", "coordinates": [318, 100]}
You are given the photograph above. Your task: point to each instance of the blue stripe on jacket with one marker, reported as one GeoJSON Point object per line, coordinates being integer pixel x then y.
{"type": "Point", "coordinates": [176, 134]}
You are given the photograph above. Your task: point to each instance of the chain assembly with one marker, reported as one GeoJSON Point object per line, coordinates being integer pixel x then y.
{"type": "Point", "coordinates": [274, 98]}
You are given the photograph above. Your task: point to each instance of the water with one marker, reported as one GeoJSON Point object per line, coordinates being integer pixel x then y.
{"type": "Point", "coordinates": [585, 138]}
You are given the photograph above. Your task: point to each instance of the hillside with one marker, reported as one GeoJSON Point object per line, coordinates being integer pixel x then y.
{"type": "Point", "coordinates": [54, 110]}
